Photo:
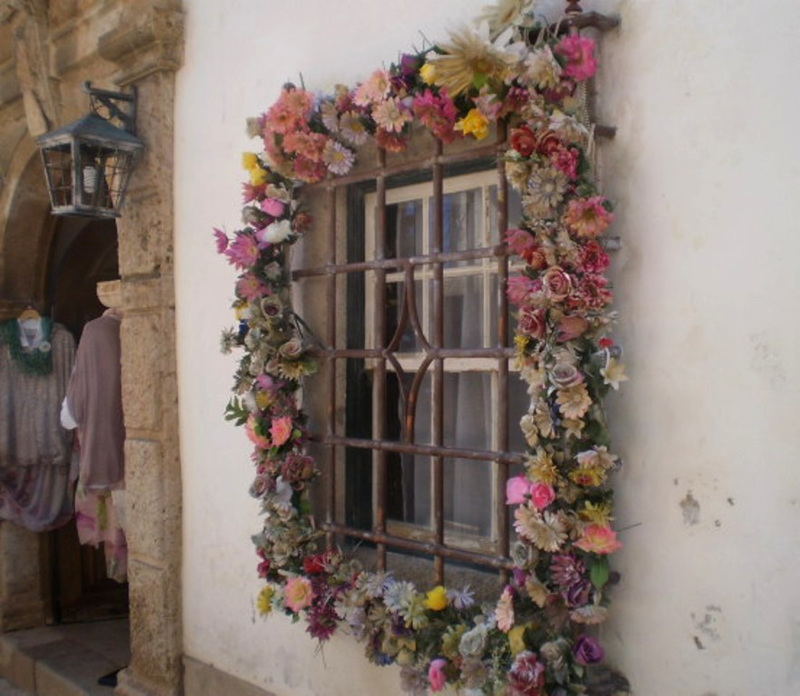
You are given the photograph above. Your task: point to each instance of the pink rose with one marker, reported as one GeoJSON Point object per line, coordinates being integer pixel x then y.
{"type": "Point", "coordinates": [542, 495]}
{"type": "Point", "coordinates": [517, 490]}
{"type": "Point", "coordinates": [436, 675]}
{"type": "Point", "coordinates": [533, 322]}
{"type": "Point", "coordinates": [557, 283]}
{"type": "Point", "coordinates": [299, 593]}
{"type": "Point", "coordinates": [273, 207]}
{"type": "Point", "coordinates": [281, 430]}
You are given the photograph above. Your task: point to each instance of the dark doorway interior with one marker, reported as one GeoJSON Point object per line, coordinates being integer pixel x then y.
{"type": "Point", "coordinates": [83, 253]}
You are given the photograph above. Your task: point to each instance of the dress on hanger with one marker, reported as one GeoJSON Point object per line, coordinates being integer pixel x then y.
{"type": "Point", "coordinates": [36, 457]}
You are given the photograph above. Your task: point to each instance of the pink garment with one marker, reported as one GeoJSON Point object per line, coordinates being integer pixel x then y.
{"type": "Point", "coordinates": [97, 520]}
{"type": "Point", "coordinates": [94, 398]}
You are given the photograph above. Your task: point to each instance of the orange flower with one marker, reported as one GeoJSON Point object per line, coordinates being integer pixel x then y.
{"type": "Point", "coordinates": [600, 540]}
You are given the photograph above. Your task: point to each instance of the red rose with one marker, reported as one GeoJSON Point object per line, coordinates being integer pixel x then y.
{"type": "Point", "coordinates": [523, 140]}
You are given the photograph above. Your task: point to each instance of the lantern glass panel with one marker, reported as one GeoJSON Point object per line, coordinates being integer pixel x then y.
{"type": "Point", "coordinates": [104, 173]}
{"type": "Point", "coordinates": [58, 169]}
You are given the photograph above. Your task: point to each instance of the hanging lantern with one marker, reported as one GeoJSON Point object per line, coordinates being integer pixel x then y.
{"type": "Point", "coordinates": [88, 162]}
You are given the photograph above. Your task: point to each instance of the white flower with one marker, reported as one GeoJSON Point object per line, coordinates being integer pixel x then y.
{"type": "Point", "coordinates": [45, 347]}
{"type": "Point", "coordinates": [277, 232]}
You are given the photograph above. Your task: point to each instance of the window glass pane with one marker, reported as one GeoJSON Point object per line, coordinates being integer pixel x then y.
{"type": "Point", "coordinates": [462, 222]}
{"type": "Point", "coordinates": [468, 410]}
{"type": "Point", "coordinates": [514, 211]}
{"type": "Point", "coordinates": [404, 229]}
{"type": "Point", "coordinates": [464, 312]}
{"type": "Point", "coordinates": [468, 508]}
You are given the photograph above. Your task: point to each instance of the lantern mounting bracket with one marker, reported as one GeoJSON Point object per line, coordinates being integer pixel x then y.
{"type": "Point", "coordinates": [103, 102]}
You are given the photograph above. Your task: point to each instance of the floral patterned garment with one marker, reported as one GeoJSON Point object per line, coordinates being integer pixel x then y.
{"type": "Point", "coordinates": [36, 460]}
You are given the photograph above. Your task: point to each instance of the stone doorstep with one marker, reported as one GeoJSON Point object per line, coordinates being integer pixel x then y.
{"type": "Point", "coordinates": [65, 660]}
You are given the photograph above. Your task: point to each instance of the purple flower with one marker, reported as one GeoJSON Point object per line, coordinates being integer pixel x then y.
{"type": "Point", "coordinates": [587, 650]}
{"type": "Point", "coordinates": [222, 240]}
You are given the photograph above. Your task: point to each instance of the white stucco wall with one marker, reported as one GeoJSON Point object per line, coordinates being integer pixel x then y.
{"type": "Point", "coordinates": [705, 174]}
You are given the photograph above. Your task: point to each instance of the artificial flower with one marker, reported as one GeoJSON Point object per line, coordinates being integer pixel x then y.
{"type": "Point", "coordinates": [470, 57]}
{"type": "Point", "coordinates": [299, 593]}
{"type": "Point", "coordinates": [579, 53]}
{"type": "Point", "coordinates": [587, 650]}
{"type": "Point", "coordinates": [598, 539]}
{"type": "Point", "coordinates": [474, 123]}
{"type": "Point", "coordinates": [546, 189]}
{"type": "Point", "coordinates": [516, 640]}
{"type": "Point", "coordinates": [613, 373]}
{"type": "Point", "coordinates": [588, 217]}
{"type": "Point", "coordinates": [505, 13]}
{"type": "Point", "coordinates": [574, 401]}
{"type": "Point", "coordinates": [255, 432]}
{"type": "Point", "coordinates": [527, 675]}
{"type": "Point", "coordinates": [518, 490]}
{"type": "Point", "coordinates": [353, 131]}
{"type": "Point", "coordinates": [273, 207]}
{"type": "Point", "coordinates": [541, 69]}
{"type": "Point", "coordinates": [249, 160]}
{"type": "Point", "coordinates": [504, 612]}
{"type": "Point", "coordinates": [428, 73]}
{"type": "Point", "coordinates": [544, 530]}
{"type": "Point", "coordinates": [391, 114]}
{"type": "Point", "coordinates": [374, 90]}
{"type": "Point", "coordinates": [436, 599]}
{"type": "Point", "coordinates": [337, 158]}
{"type": "Point", "coordinates": [264, 601]}
{"type": "Point", "coordinates": [542, 494]}
{"type": "Point", "coordinates": [281, 430]}
{"type": "Point", "coordinates": [221, 239]}
{"type": "Point", "coordinates": [436, 675]}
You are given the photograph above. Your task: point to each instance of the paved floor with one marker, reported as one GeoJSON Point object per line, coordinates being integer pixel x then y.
{"type": "Point", "coordinates": [63, 660]}
{"type": "Point", "coordinates": [7, 689]}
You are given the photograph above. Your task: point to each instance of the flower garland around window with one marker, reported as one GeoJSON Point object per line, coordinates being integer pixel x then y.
{"type": "Point", "coordinates": [536, 638]}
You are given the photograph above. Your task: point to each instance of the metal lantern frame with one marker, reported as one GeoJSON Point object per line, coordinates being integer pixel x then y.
{"type": "Point", "coordinates": [88, 162]}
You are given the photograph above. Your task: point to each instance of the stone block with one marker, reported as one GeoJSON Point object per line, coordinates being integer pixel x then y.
{"type": "Point", "coordinates": [154, 511]}
{"type": "Point", "coordinates": [155, 623]}
{"type": "Point", "coordinates": [142, 365]}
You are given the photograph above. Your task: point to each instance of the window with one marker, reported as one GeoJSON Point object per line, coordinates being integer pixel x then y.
{"type": "Point", "coordinates": [421, 410]}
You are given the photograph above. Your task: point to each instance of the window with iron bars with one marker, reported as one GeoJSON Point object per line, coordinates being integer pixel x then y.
{"type": "Point", "coordinates": [416, 417]}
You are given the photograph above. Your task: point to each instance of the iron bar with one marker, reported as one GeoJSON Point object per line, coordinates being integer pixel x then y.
{"type": "Point", "coordinates": [427, 450]}
{"type": "Point", "coordinates": [438, 362]}
{"type": "Point", "coordinates": [379, 388]}
{"type": "Point", "coordinates": [330, 281]}
{"type": "Point", "coordinates": [400, 264]}
{"type": "Point", "coordinates": [501, 423]}
{"type": "Point", "coordinates": [424, 547]}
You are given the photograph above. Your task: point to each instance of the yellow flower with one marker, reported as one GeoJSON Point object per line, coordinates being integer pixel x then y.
{"type": "Point", "coordinates": [428, 73]}
{"type": "Point", "coordinates": [258, 176]}
{"type": "Point", "coordinates": [249, 160]}
{"type": "Point", "coordinates": [614, 373]}
{"type": "Point", "coordinates": [264, 602]}
{"type": "Point", "coordinates": [599, 514]}
{"type": "Point", "coordinates": [516, 640]}
{"type": "Point", "coordinates": [474, 123]}
{"type": "Point", "coordinates": [436, 599]}
{"type": "Point", "coordinates": [264, 399]}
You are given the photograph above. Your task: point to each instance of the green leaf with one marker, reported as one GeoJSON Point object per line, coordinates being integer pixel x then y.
{"type": "Point", "coordinates": [599, 572]}
{"type": "Point", "coordinates": [236, 411]}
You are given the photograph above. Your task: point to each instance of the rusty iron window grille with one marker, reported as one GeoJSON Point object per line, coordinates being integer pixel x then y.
{"type": "Point", "coordinates": [406, 352]}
